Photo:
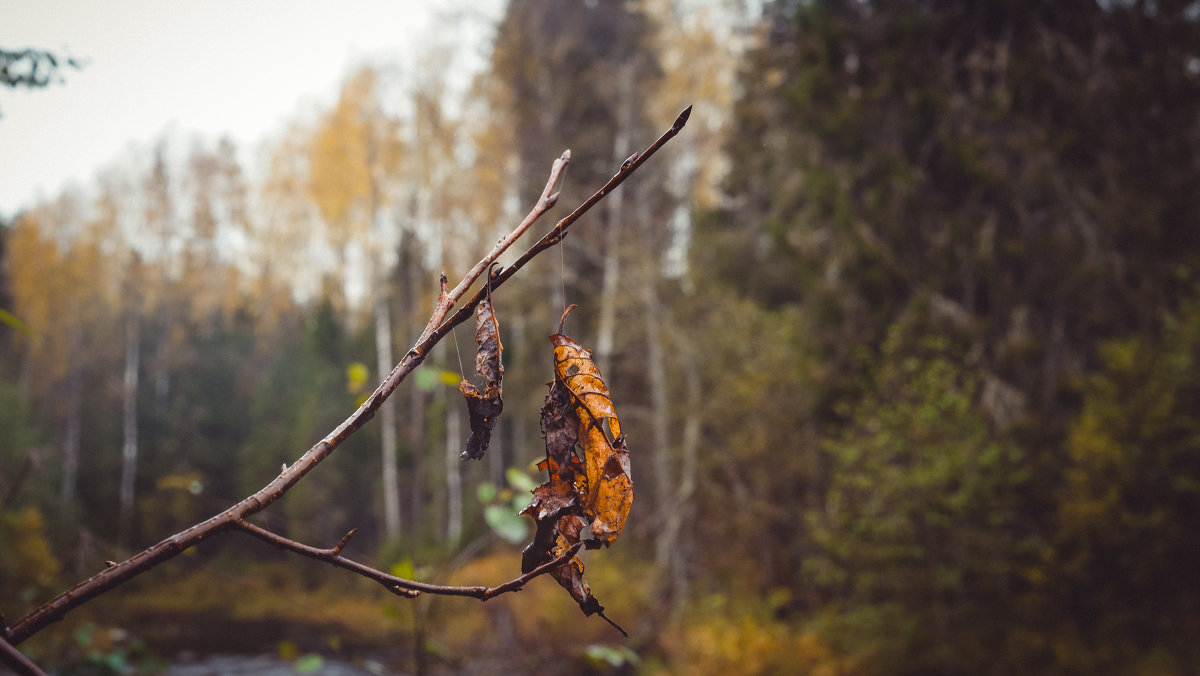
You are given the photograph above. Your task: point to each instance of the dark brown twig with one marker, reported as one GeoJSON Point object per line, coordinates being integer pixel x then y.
{"type": "Point", "coordinates": [233, 517]}
{"type": "Point", "coordinates": [13, 658]}
{"type": "Point", "coordinates": [399, 585]}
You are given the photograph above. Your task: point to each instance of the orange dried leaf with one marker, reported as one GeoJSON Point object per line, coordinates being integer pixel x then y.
{"type": "Point", "coordinates": [606, 458]}
{"type": "Point", "coordinates": [578, 418]}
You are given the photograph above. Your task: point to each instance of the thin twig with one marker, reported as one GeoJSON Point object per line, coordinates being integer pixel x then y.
{"type": "Point", "coordinates": [399, 585]}
{"type": "Point", "coordinates": [119, 573]}
{"type": "Point", "coordinates": [18, 662]}
{"type": "Point", "coordinates": [549, 198]}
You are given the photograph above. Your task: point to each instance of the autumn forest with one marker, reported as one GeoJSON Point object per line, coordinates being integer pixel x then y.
{"type": "Point", "coordinates": [903, 330]}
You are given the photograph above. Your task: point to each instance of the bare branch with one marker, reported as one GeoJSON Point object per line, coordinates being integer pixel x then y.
{"type": "Point", "coordinates": [399, 585]}
{"type": "Point", "coordinates": [18, 662]}
{"type": "Point", "coordinates": [235, 516]}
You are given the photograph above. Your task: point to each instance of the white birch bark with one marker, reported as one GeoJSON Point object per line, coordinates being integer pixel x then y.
{"type": "Point", "coordinates": [387, 413]}
{"type": "Point", "coordinates": [453, 478]}
{"type": "Point", "coordinates": [129, 446]}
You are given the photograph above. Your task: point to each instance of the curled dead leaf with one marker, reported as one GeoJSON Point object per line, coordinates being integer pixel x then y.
{"type": "Point", "coordinates": [609, 494]}
{"type": "Point", "coordinates": [484, 408]}
{"type": "Point", "coordinates": [578, 418]}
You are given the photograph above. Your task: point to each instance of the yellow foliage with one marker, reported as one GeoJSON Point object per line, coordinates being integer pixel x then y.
{"type": "Point", "coordinates": [26, 559]}
{"type": "Point", "coordinates": [59, 285]}
{"type": "Point", "coordinates": [722, 640]}
{"type": "Point", "coordinates": [278, 591]}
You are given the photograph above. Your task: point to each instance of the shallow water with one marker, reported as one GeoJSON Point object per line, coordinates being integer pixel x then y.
{"type": "Point", "coordinates": [266, 665]}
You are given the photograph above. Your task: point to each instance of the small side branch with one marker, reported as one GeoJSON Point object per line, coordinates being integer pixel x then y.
{"type": "Point", "coordinates": [12, 657]}
{"type": "Point", "coordinates": [397, 585]}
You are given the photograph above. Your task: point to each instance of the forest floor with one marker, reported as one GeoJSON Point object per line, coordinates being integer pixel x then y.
{"type": "Point", "coordinates": [223, 615]}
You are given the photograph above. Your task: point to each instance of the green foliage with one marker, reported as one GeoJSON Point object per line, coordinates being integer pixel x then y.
{"type": "Point", "coordinates": [919, 535]}
{"type": "Point", "coordinates": [97, 651]}
{"type": "Point", "coordinates": [14, 322]}
{"type": "Point", "coordinates": [502, 506]}
{"type": "Point", "coordinates": [722, 635]}
{"type": "Point", "coordinates": [1131, 498]}
{"type": "Point", "coordinates": [977, 225]}
{"type": "Point", "coordinates": [301, 398]}
{"type": "Point", "coordinates": [757, 407]}
{"type": "Point", "coordinates": [18, 428]}
{"type": "Point", "coordinates": [919, 148]}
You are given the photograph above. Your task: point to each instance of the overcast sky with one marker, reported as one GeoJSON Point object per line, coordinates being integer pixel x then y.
{"type": "Point", "coordinates": [216, 67]}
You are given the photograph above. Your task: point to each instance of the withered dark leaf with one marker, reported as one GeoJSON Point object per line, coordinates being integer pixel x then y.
{"type": "Point", "coordinates": [487, 337]}
{"type": "Point", "coordinates": [561, 429]}
{"type": "Point", "coordinates": [483, 414]}
{"type": "Point", "coordinates": [560, 493]}
{"type": "Point", "coordinates": [570, 574]}
{"type": "Point", "coordinates": [484, 407]}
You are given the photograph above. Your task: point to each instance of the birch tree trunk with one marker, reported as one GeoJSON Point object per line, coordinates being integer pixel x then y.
{"type": "Point", "coordinates": [387, 413]}
{"type": "Point", "coordinates": [674, 550]}
{"type": "Point", "coordinates": [413, 271]}
{"type": "Point", "coordinates": [74, 400]}
{"type": "Point", "coordinates": [453, 478]}
{"type": "Point", "coordinates": [656, 375]}
{"type": "Point", "coordinates": [162, 356]}
{"type": "Point", "coordinates": [129, 447]}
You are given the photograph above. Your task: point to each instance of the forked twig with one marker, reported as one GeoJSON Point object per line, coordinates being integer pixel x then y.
{"type": "Point", "coordinates": [549, 198]}
{"type": "Point", "coordinates": [235, 517]}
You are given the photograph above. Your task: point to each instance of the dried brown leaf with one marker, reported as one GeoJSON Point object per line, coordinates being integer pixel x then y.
{"type": "Point", "coordinates": [484, 408]}
{"type": "Point", "coordinates": [578, 418]}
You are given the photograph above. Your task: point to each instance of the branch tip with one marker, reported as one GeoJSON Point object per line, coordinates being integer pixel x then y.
{"type": "Point", "coordinates": [614, 624]}
{"type": "Point", "coordinates": [682, 119]}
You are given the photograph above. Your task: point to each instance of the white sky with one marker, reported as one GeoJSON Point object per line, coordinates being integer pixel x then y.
{"type": "Point", "coordinates": [212, 66]}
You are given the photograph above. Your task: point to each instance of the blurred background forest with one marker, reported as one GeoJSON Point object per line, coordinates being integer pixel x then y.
{"type": "Point", "coordinates": [904, 329]}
